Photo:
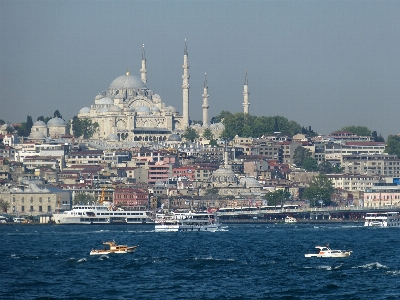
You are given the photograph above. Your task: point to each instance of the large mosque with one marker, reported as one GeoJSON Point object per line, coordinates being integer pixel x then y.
{"type": "Point", "coordinates": [129, 111]}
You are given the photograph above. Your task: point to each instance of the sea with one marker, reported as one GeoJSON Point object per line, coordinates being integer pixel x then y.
{"type": "Point", "coordinates": [243, 261]}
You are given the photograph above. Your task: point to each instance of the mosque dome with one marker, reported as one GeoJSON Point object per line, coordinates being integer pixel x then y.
{"type": "Point", "coordinates": [223, 175]}
{"type": "Point", "coordinates": [172, 109]}
{"type": "Point", "coordinates": [127, 82]}
{"type": "Point", "coordinates": [56, 122]}
{"type": "Point", "coordinates": [4, 126]}
{"type": "Point", "coordinates": [218, 126]}
{"type": "Point", "coordinates": [174, 138]}
{"type": "Point", "coordinates": [39, 123]}
{"type": "Point", "coordinates": [37, 135]}
{"type": "Point", "coordinates": [155, 109]}
{"type": "Point", "coordinates": [112, 137]}
{"type": "Point", "coordinates": [98, 97]}
{"type": "Point", "coordinates": [129, 109]}
{"type": "Point", "coordinates": [84, 110]}
{"type": "Point", "coordinates": [105, 100]}
{"type": "Point", "coordinates": [103, 109]}
{"type": "Point", "coordinates": [250, 182]}
{"type": "Point", "coordinates": [114, 108]}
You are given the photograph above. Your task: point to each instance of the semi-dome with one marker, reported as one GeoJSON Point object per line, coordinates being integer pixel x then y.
{"type": "Point", "coordinates": [112, 137]}
{"type": "Point", "coordinates": [105, 100]}
{"type": "Point", "coordinates": [174, 138]}
{"type": "Point", "coordinates": [127, 82]}
{"type": "Point", "coordinates": [143, 109]}
{"type": "Point", "coordinates": [56, 122]}
{"type": "Point", "coordinates": [39, 123]}
{"type": "Point", "coordinates": [155, 109]}
{"type": "Point", "coordinates": [84, 110]}
{"type": "Point", "coordinates": [114, 108]}
{"type": "Point", "coordinates": [98, 97]}
{"type": "Point", "coordinates": [129, 109]}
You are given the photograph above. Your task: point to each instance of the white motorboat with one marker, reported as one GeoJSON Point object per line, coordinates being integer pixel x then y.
{"type": "Point", "coordinates": [325, 251]}
{"type": "Point", "coordinates": [290, 219]}
{"type": "Point", "coordinates": [382, 219]}
{"type": "Point", "coordinates": [99, 214]}
{"type": "Point", "coordinates": [187, 221]}
{"type": "Point", "coordinates": [113, 247]}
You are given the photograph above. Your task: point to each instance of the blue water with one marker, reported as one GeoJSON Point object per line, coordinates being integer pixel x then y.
{"type": "Point", "coordinates": [242, 262]}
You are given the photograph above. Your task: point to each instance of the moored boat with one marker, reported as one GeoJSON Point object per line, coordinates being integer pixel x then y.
{"type": "Point", "coordinates": [290, 219]}
{"type": "Point", "coordinates": [99, 214]}
{"type": "Point", "coordinates": [187, 221]}
{"type": "Point", "coordinates": [325, 251]}
{"type": "Point", "coordinates": [113, 247]}
{"type": "Point", "coordinates": [382, 219]}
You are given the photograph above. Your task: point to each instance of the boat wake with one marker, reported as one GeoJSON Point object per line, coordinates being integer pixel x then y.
{"type": "Point", "coordinates": [375, 265]}
{"type": "Point", "coordinates": [82, 260]}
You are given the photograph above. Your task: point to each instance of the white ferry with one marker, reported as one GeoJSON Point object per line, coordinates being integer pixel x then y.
{"type": "Point", "coordinates": [290, 219]}
{"type": "Point", "coordinates": [187, 221]}
{"type": "Point", "coordinates": [382, 219]}
{"type": "Point", "coordinates": [99, 214]}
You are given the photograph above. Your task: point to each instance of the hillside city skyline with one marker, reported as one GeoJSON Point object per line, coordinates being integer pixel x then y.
{"type": "Point", "coordinates": [322, 64]}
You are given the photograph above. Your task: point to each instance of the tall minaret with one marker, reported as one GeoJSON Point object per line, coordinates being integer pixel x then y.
{"type": "Point", "coordinates": [205, 103]}
{"type": "Point", "coordinates": [246, 94]}
{"type": "Point", "coordinates": [185, 88]}
{"type": "Point", "coordinates": [143, 70]}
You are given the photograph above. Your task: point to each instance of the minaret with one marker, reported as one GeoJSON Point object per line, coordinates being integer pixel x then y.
{"type": "Point", "coordinates": [246, 94]}
{"type": "Point", "coordinates": [185, 88]}
{"type": "Point", "coordinates": [205, 103]}
{"type": "Point", "coordinates": [143, 70]}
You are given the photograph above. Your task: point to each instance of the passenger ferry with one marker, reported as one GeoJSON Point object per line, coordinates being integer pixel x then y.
{"type": "Point", "coordinates": [100, 214]}
{"type": "Point", "coordinates": [187, 221]}
{"type": "Point", "coordinates": [382, 219]}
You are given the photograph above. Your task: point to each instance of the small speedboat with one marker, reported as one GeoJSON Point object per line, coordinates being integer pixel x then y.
{"type": "Point", "coordinates": [325, 251]}
{"type": "Point", "coordinates": [113, 247]}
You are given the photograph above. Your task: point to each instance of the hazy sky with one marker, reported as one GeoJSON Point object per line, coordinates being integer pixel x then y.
{"type": "Point", "coordinates": [325, 64]}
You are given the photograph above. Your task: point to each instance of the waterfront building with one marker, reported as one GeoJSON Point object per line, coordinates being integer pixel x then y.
{"type": "Point", "coordinates": [382, 195]}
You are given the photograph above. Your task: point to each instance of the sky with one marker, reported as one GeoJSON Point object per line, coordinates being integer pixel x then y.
{"type": "Point", "coordinates": [324, 64]}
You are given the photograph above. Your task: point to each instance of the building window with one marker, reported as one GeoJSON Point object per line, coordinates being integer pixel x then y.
{"type": "Point", "coordinates": [31, 209]}
{"type": "Point", "coordinates": [40, 209]}
{"type": "Point", "coordinates": [22, 208]}
{"type": "Point", "coordinates": [40, 199]}
{"type": "Point", "coordinates": [31, 199]}
{"type": "Point", "coordinates": [48, 208]}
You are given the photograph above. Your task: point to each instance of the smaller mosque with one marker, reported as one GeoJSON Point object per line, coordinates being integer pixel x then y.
{"type": "Point", "coordinates": [129, 111]}
{"type": "Point", "coordinates": [55, 128]}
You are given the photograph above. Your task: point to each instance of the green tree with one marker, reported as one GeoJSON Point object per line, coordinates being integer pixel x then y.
{"type": "Point", "coordinates": [377, 138]}
{"type": "Point", "coordinates": [4, 205]}
{"type": "Point", "coordinates": [393, 145]}
{"type": "Point", "coordinates": [277, 198]}
{"type": "Point", "coordinates": [190, 134]}
{"type": "Point", "coordinates": [300, 154]}
{"type": "Point", "coordinates": [57, 114]}
{"type": "Point", "coordinates": [207, 134]}
{"type": "Point", "coordinates": [222, 115]}
{"type": "Point", "coordinates": [84, 199]}
{"type": "Point", "coordinates": [310, 164]}
{"type": "Point", "coordinates": [29, 124]}
{"type": "Point", "coordinates": [358, 130]}
{"type": "Point", "coordinates": [10, 129]}
{"type": "Point", "coordinates": [2, 122]}
{"type": "Point", "coordinates": [325, 167]}
{"type": "Point", "coordinates": [84, 127]}
{"type": "Point", "coordinates": [321, 188]}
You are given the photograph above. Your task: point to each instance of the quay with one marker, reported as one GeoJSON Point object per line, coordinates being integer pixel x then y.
{"type": "Point", "coordinates": [306, 215]}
